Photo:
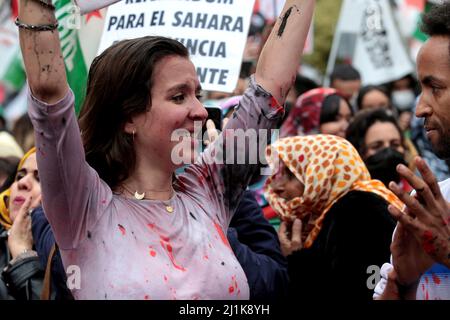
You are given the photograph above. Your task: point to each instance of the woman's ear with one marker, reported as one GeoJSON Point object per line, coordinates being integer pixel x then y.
{"type": "Point", "coordinates": [130, 127]}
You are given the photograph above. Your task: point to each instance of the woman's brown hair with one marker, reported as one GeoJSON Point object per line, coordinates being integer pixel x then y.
{"type": "Point", "coordinates": [118, 88]}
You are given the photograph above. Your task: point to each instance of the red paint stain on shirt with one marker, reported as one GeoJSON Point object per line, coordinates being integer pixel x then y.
{"type": "Point", "coordinates": [153, 253]}
{"type": "Point", "coordinates": [427, 297]}
{"type": "Point", "coordinates": [205, 257]}
{"type": "Point", "coordinates": [122, 229]}
{"type": "Point", "coordinates": [426, 280]}
{"type": "Point", "coordinates": [163, 238]}
{"type": "Point", "coordinates": [201, 179]}
{"type": "Point", "coordinates": [235, 282]}
{"type": "Point", "coordinates": [168, 248]}
{"type": "Point", "coordinates": [275, 105]}
{"type": "Point", "coordinates": [221, 235]}
{"type": "Point", "coordinates": [165, 278]}
{"type": "Point", "coordinates": [436, 279]}
{"type": "Point", "coordinates": [146, 297]}
{"type": "Point", "coordinates": [233, 285]}
{"type": "Point", "coordinates": [151, 226]}
{"type": "Point", "coordinates": [103, 201]}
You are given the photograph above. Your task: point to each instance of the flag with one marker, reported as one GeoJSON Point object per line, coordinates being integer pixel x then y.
{"type": "Point", "coordinates": [367, 37]}
{"type": "Point", "coordinates": [76, 67]}
{"type": "Point", "coordinates": [417, 38]}
{"type": "Point", "coordinates": [15, 7]}
{"type": "Point", "coordinates": [407, 13]}
{"type": "Point", "coordinates": [9, 48]}
{"type": "Point", "coordinates": [79, 36]}
{"type": "Point", "coordinates": [91, 5]}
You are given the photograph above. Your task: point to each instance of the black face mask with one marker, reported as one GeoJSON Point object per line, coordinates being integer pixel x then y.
{"type": "Point", "coordinates": [382, 165]}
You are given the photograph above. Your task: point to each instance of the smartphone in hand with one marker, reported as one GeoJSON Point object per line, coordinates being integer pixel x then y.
{"type": "Point", "coordinates": [214, 114]}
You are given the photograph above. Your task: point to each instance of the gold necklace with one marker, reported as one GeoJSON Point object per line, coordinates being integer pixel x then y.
{"type": "Point", "coordinates": [141, 196]}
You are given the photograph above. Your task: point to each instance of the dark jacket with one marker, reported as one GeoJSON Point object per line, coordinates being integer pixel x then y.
{"type": "Point", "coordinates": [24, 279]}
{"type": "Point", "coordinates": [44, 241]}
{"type": "Point", "coordinates": [356, 234]}
{"type": "Point", "coordinates": [256, 246]}
{"type": "Point", "coordinates": [253, 239]}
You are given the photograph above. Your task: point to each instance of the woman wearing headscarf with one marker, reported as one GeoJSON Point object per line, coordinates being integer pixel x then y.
{"type": "Point", "coordinates": [336, 229]}
{"type": "Point", "coordinates": [22, 275]}
{"type": "Point", "coordinates": [319, 110]}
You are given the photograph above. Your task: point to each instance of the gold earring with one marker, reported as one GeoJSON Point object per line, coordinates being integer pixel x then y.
{"type": "Point", "coordinates": [134, 131]}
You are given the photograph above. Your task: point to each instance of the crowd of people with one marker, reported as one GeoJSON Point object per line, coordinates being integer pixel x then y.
{"type": "Point", "coordinates": [353, 180]}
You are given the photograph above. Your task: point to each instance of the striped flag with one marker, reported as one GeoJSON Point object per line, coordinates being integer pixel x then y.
{"type": "Point", "coordinates": [76, 67]}
{"type": "Point", "coordinates": [87, 6]}
{"type": "Point", "coordinates": [367, 37]}
{"type": "Point", "coordinates": [80, 37]}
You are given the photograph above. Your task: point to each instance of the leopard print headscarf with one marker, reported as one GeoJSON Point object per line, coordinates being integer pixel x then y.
{"type": "Point", "coordinates": [329, 167]}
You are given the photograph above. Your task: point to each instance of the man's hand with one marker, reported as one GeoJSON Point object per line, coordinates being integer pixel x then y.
{"type": "Point", "coordinates": [391, 291]}
{"type": "Point", "coordinates": [409, 259]}
{"type": "Point", "coordinates": [290, 237]}
{"type": "Point", "coordinates": [425, 229]}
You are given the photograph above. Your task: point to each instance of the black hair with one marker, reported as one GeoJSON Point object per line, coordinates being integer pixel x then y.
{"type": "Point", "coordinates": [330, 108]}
{"type": "Point", "coordinates": [8, 167]}
{"type": "Point", "coordinates": [436, 22]}
{"type": "Point", "coordinates": [303, 84]}
{"type": "Point", "coordinates": [345, 72]}
{"type": "Point", "coordinates": [413, 84]}
{"type": "Point", "coordinates": [364, 119]}
{"type": "Point", "coordinates": [366, 89]}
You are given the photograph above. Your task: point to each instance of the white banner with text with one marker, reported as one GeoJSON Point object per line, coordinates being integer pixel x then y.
{"type": "Point", "coordinates": [214, 31]}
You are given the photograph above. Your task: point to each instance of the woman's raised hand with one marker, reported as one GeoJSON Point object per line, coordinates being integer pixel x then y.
{"type": "Point", "coordinates": [20, 238]}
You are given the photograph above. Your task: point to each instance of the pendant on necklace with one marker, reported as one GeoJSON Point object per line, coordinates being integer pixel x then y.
{"type": "Point", "coordinates": [169, 209]}
{"type": "Point", "coordinates": [139, 196]}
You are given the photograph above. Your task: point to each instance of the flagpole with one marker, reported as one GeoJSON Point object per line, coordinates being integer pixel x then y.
{"type": "Point", "coordinates": [404, 40]}
{"type": "Point", "coordinates": [275, 10]}
{"type": "Point", "coordinates": [334, 48]}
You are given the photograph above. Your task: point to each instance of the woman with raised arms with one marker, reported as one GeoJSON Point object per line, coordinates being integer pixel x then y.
{"type": "Point", "coordinates": [118, 211]}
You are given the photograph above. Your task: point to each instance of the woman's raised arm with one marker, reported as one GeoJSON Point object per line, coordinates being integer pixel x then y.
{"type": "Point", "coordinates": [41, 51]}
{"type": "Point", "coordinates": [280, 57]}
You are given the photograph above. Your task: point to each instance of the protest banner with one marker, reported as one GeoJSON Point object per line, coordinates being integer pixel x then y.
{"type": "Point", "coordinates": [367, 37]}
{"type": "Point", "coordinates": [214, 31]}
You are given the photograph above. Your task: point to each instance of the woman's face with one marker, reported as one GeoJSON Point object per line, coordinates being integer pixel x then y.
{"type": "Point", "coordinates": [286, 185]}
{"type": "Point", "coordinates": [382, 135]}
{"type": "Point", "coordinates": [375, 99]}
{"type": "Point", "coordinates": [339, 126]}
{"type": "Point", "coordinates": [175, 105]}
{"type": "Point", "coordinates": [25, 185]}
